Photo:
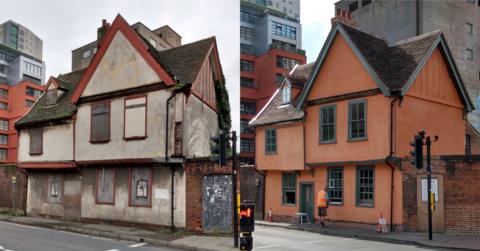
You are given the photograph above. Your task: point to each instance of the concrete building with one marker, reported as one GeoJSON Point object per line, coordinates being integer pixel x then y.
{"type": "Point", "coordinates": [344, 124]}
{"type": "Point", "coordinates": [20, 55]}
{"type": "Point", "coordinates": [270, 43]}
{"type": "Point", "coordinates": [397, 20]}
{"type": "Point", "coordinates": [135, 128]}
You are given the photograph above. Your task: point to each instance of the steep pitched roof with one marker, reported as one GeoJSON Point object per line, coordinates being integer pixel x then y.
{"type": "Point", "coordinates": [393, 67]}
{"type": "Point", "coordinates": [275, 111]}
{"type": "Point", "coordinates": [184, 62]}
{"type": "Point", "coordinates": [42, 113]}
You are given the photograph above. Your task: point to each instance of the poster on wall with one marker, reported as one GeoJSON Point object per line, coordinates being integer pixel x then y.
{"type": "Point", "coordinates": [425, 189]}
{"type": "Point", "coordinates": [54, 189]}
{"type": "Point", "coordinates": [142, 188]}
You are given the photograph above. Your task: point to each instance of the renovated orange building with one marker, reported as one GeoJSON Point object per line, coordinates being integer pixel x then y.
{"type": "Point", "coordinates": [15, 101]}
{"type": "Point", "coordinates": [345, 121]}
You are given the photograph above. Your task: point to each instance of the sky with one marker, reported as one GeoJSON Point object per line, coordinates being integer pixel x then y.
{"type": "Point", "coordinates": [66, 25]}
{"type": "Point", "coordinates": [315, 17]}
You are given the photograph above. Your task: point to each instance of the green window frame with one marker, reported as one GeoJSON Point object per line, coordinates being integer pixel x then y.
{"type": "Point", "coordinates": [357, 120]}
{"type": "Point", "coordinates": [365, 186]}
{"type": "Point", "coordinates": [335, 177]}
{"type": "Point", "coordinates": [328, 123]}
{"type": "Point", "coordinates": [270, 140]}
{"type": "Point", "coordinates": [289, 189]}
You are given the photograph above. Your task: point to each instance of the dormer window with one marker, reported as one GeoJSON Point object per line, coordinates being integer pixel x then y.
{"type": "Point", "coordinates": [286, 93]}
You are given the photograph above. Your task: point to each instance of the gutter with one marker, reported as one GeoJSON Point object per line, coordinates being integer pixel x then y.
{"type": "Point", "coordinates": [388, 158]}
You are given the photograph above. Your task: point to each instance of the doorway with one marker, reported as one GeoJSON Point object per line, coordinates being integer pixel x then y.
{"type": "Point", "coordinates": [306, 200]}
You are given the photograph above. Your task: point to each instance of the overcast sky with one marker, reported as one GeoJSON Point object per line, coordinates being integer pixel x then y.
{"type": "Point", "coordinates": [66, 25]}
{"type": "Point", "coordinates": [315, 17]}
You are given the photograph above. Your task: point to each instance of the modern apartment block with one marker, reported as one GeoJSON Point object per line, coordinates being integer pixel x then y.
{"type": "Point", "coordinates": [21, 74]}
{"type": "Point", "coordinates": [397, 20]}
{"type": "Point", "coordinates": [270, 45]}
{"type": "Point", "coordinates": [161, 38]}
{"type": "Point", "coordinates": [20, 55]}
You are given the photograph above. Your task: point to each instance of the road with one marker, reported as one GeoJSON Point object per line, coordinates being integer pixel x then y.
{"type": "Point", "coordinates": [25, 238]}
{"type": "Point", "coordinates": [278, 239]}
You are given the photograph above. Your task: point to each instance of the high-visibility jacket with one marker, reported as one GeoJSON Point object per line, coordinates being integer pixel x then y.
{"type": "Point", "coordinates": [322, 198]}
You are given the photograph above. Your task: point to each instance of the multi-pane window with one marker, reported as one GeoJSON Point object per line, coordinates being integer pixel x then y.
{"type": "Point", "coordinates": [247, 82]}
{"type": "Point", "coordinates": [4, 124]}
{"type": "Point", "coordinates": [32, 69]}
{"type": "Point", "coordinates": [469, 54]}
{"type": "Point", "coordinates": [365, 186]}
{"type": "Point", "coordinates": [32, 92]}
{"type": "Point", "coordinates": [357, 122]}
{"type": "Point", "coordinates": [3, 139]}
{"type": "Point", "coordinates": [13, 36]}
{"type": "Point", "coordinates": [3, 69]}
{"type": "Point", "coordinates": [270, 140]}
{"type": "Point", "coordinates": [469, 28]}
{"type": "Point", "coordinates": [286, 63]}
{"type": "Point", "coordinates": [54, 188]}
{"type": "Point", "coordinates": [32, 79]}
{"type": "Point", "coordinates": [247, 145]}
{"type": "Point", "coordinates": [335, 185]}
{"type": "Point", "coordinates": [3, 57]}
{"type": "Point", "coordinates": [353, 6]}
{"type": "Point", "coordinates": [140, 186]}
{"type": "Point", "coordinates": [100, 122]}
{"type": "Point", "coordinates": [3, 153]}
{"type": "Point", "coordinates": [106, 185]}
{"type": "Point", "coordinates": [29, 103]}
{"type": "Point", "coordinates": [135, 117]}
{"type": "Point", "coordinates": [245, 16]}
{"type": "Point", "coordinates": [86, 54]}
{"type": "Point", "coordinates": [246, 66]}
{"type": "Point", "coordinates": [3, 106]}
{"type": "Point", "coordinates": [289, 188]}
{"type": "Point", "coordinates": [245, 33]}
{"type": "Point", "coordinates": [244, 128]}
{"type": "Point", "coordinates": [246, 49]}
{"type": "Point", "coordinates": [327, 124]}
{"type": "Point", "coordinates": [284, 30]}
{"type": "Point", "coordinates": [278, 78]}
{"type": "Point", "coordinates": [248, 107]}
{"type": "Point", "coordinates": [36, 140]}
{"type": "Point", "coordinates": [365, 2]}
{"type": "Point", "coordinates": [286, 94]}
{"type": "Point", "coordinates": [3, 93]}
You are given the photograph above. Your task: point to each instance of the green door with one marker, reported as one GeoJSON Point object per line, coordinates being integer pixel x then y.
{"type": "Point", "coordinates": [306, 200]}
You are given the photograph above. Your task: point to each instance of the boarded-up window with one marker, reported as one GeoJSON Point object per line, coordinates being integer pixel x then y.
{"type": "Point", "coordinates": [106, 185]}
{"type": "Point", "coordinates": [140, 188]}
{"type": "Point", "coordinates": [54, 188]}
{"type": "Point", "coordinates": [100, 127]}
{"type": "Point", "coordinates": [135, 117]}
{"type": "Point", "coordinates": [36, 140]}
{"type": "Point", "coordinates": [51, 97]}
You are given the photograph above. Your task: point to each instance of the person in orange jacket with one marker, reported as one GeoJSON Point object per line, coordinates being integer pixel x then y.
{"type": "Point", "coordinates": [322, 204]}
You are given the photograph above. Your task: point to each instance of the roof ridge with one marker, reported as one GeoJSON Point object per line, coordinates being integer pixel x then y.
{"type": "Point", "coordinates": [364, 32]}
{"type": "Point", "coordinates": [419, 37]}
{"type": "Point", "coordinates": [189, 44]}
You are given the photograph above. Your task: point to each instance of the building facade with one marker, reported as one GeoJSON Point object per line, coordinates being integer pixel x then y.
{"type": "Point", "coordinates": [344, 124]}
{"type": "Point", "coordinates": [397, 20]}
{"type": "Point", "coordinates": [270, 45]}
{"type": "Point", "coordinates": [132, 134]}
{"type": "Point", "coordinates": [20, 55]}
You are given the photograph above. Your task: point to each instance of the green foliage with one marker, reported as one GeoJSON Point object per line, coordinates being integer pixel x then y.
{"type": "Point", "coordinates": [223, 107]}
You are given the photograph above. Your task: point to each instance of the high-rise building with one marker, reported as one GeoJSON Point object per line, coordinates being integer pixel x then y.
{"type": "Point", "coordinates": [20, 55]}
{"type": "Point", "coordinates": [397, 20]}
{"type": "Point", "coordinates": [270, 46]}
{"type": "Point", "coordinates": [22, 72]}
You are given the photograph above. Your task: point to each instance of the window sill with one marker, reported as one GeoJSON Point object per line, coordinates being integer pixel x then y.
{"type": "Point", "coordinates": [366, 205]}
{"type": "Point", "coordinates": [135, 138]}
{"type": "Point", "coordinates": [270, 153]}
{"type": "Point", "coordinates": [336, 204]}
{"type": "Point", "coordinates": [148, 206]}
{"type": "Point", "coordinates": [357, 139]}
{"type": "Point", "coordinates": [99, 141]}
{"type": "Point", "coordinates": [289, 205]}
{"type": "Point", "coordinates": [104, 203]}
{"type": "Point", "coordinates": [36, 154]}
{"type": "Point", "coordinates": [327, 142]}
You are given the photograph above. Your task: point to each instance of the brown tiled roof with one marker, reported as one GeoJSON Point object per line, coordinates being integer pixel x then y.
{"type": "Point", "coordinates": [394, 63]}
{"type": "Point", "coordinates": [41, 113]}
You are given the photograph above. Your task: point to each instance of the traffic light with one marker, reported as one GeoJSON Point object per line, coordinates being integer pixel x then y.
{"type": "Point", "coordinates": [219, 148]}
{"type": "Point", "coordinates": [247, 217]}
{"type": "Point", "coordinates": [417, 152]}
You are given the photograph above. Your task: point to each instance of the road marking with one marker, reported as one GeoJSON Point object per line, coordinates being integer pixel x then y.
{"type": "Point", "coordinates": [138, 245]}
{"type": "Point", "coordinates": [113, 250]}
{"type": "Point", "coordinates": [271, 246]}
{"type": "Point", "coordinates": [317, 241]}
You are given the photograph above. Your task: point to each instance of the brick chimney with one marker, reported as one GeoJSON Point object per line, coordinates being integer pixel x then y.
{"type": "Point", "coordinates": [101, 31]}
{"type": "Point", "coordinates": [344, 16]}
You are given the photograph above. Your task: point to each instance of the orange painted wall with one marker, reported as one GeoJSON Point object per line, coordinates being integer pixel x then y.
{"type": "Point", "coordinates": [432, 104]}
{"type": "Point", "coordinates": [348, 211]}
{"type": "Point", "coordinates": [289, 154]}
{"type": "Point", "coordinates": [341, 73]}
{"type": "Point", "coordinates": [375, 147]}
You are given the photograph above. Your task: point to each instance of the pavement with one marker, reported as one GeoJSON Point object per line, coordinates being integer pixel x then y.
{"type": "Point", "coordinates": [439, 241]}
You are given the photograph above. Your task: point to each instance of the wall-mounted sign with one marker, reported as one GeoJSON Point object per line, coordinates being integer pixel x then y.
{"type": "Point", "coordinates": [142, 188]}
{"type": "Point", "coordinates": [54, 189]}
{"type": "Point", "coordinates": [425, 189]}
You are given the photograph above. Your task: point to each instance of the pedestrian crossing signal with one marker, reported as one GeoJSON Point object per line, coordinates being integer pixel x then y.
{"type": "Point", "coordinates": [247, 217]}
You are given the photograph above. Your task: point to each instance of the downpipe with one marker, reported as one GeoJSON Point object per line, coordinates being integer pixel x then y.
{"type": "Point", "coordinates": [172, 168]}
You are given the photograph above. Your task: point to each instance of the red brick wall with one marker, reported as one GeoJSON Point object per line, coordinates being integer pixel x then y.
{"type": "Point", "coordinates": [6, 174]}
{"type": "Point", "coordinates": [194, 178]}
{"type": "Point", "coordinates": [462, 199]}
